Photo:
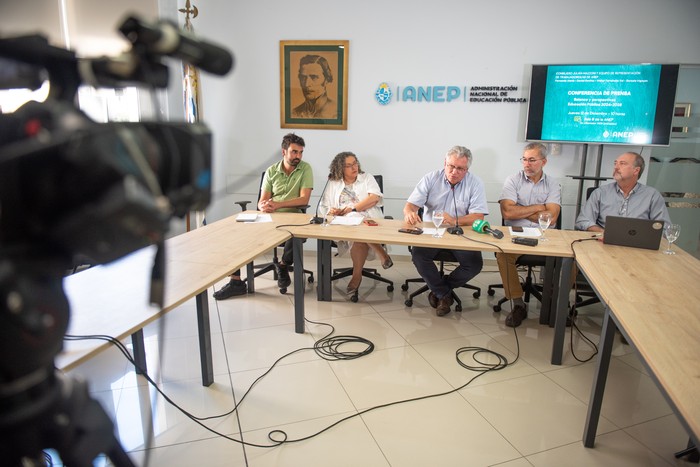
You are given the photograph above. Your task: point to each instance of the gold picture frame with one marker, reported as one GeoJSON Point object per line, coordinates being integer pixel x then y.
{"type": "Point", "coordinates": [680, 110]}
{"type": "Point", "coordinates": [322, 101]}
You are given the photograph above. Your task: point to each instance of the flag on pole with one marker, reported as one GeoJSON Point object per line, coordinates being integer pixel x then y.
{"type": "Point", "coordinates": [191, 96]}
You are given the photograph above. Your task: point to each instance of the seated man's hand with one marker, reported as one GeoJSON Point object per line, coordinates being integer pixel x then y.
{"type": "Point", "coordinates": [268, 206]}
{"type": "Point", "coordinates": [411, 218]}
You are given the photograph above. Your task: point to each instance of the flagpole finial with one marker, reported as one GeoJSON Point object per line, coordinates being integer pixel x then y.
{"type": "Point", "coordinates": [189, 10]}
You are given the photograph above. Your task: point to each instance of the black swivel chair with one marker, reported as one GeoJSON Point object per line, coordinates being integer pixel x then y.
{"type": "Point", "coordinates": [264, 268]}
{"type": "Point", "coordinates": [442, 257]}
{"type": "Point", "coordinates": [530, 288]}
{"type": "Point", "coordinates": [370, 273]}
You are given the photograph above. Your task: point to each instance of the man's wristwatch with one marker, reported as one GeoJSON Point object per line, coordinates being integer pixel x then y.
{"type": "Point", "coordinates": [353, 210]}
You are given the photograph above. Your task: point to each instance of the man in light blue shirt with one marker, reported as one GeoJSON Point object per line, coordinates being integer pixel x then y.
{"type": "Point", "coordinates": [626, 197]}
{"type": "Point", "coordinates": [461, 195]}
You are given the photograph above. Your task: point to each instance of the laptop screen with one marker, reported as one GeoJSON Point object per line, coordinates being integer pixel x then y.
{"type": "Point", "coordinates": [633, 232]}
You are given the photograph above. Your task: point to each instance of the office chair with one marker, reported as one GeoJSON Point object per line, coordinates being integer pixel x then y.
{"type": "Point", "coordinates": [530, 288]}
{"type": "Point", "coordinates": [264, 268]}
{"type": "Point", "coordinates": [442, 257]}
{"type": "Point", "coordinates": [370, 273]}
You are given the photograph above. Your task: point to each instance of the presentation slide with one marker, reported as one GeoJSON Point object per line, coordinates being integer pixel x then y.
{"type": "Point", "coordinates": [605, 103]}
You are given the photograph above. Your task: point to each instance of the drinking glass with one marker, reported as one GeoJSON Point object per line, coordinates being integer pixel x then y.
{"type": "Point", "coordinates": [544, 219]}
{"type": "Point", "coordinates": [671, 232]}
{"type": "Point", "coordinates": [324, 211]}
{"type": "Point", "coordinates": [438, 217]}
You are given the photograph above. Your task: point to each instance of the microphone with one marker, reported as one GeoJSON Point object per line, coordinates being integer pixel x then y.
{"type": "Point", "coordinates": [165, 38]}
{"type": "Point", "coordinates": [483, 226]}
{"type": "Point", "coordinates": [127, 69]}
{"type": "Point", "coordinates": [316, 219]}
{"type": "Point", "coordinates": [456, 230]}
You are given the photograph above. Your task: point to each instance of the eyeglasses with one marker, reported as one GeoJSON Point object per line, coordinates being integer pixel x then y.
{"type": "Point", "coordinates": [529, 161]}
{"type": "Point", "coordinates": [453, 168]}
{"type": "Point", "coordinates": [350, 166]}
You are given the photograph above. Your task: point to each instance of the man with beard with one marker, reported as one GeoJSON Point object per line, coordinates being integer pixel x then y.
{"type": "Point", "coordinates": [525, 195]}
{"type": "Point", "coordinates": [626, 197]}
{"type": "Point", "coordinates": [314, 75]}
{"type": "Point", "coordinates": [286, 187]}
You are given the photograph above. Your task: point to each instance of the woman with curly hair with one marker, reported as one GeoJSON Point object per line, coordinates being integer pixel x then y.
{"type": "Point", "coordinates": [352, 192]}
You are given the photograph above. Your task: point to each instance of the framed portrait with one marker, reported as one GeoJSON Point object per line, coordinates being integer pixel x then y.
{"type": "Point", "coordinates": [314, 84]}
{"type": "Point", "coordinates": [680, 110]}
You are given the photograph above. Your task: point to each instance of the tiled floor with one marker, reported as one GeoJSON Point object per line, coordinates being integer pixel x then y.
{"type": "Point", "coordinates": [530, 413]}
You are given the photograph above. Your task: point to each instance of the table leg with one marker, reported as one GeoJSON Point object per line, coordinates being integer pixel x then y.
{"type": "Point", "coordinates": [323, 262]}
{"type": "Point", "coordinates": [139, 352]}
{"type": "Point", "coordinates": [547, 290]}
{"type": "Point", "coordinates": [250, 277]}
{"type": "Point", "coordinates": [298, 251]}
{"type": "Point", "coordinates": [204, 329]}
{"type": "Point", "coordinates": [561, 310]}
{"type": "Point", "coordinates": [595, 403]}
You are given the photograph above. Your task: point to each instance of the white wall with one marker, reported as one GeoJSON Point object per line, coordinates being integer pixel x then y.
{"type": "Point", "coordinates": [419, 43]}
{"type": "Point", "coordinates": [409, 42]}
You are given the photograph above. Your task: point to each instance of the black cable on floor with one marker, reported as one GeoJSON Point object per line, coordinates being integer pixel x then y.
{"type": "Point", "coordinates": [328, 348]}
{"type": "Point", "coordinates": [573, 315]}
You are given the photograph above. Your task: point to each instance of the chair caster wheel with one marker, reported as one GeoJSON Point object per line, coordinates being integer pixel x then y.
{"type": "Point", "coordinates": [408, 303]}
{"type": "Point", "coordinates": [354, 298]}
{"type": "Point", "coordinates": [283, 290]}
{"type": "Point", "coordinates": [491, 292]}
{"type": "Point", "coordinates": [404, 287]}
{"type": "Point", "coordinates": [476, 294]}
{"type": "Point", "coordinates": [458, 308]}
{"type": "Point", "coordinates": [389, 288]}
{"type": "Point", "coordinates": [310, 279]}
{"type": "Point", "coordinates": [497, 308]}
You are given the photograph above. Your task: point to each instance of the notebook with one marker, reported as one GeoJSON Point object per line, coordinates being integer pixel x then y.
{"type": "Point", "coordinates": [629, 231]}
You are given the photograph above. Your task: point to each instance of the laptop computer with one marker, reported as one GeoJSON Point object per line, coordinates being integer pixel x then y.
{"type": "Point", "coordinates": [629, 231]}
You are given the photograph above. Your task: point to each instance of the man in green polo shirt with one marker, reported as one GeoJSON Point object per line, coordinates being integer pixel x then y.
{"type": "Point", "coordinates": [286, 187]}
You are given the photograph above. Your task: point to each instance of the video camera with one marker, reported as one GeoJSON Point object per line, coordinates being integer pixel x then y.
{"type": "Point", "coordinates": [75, 190]}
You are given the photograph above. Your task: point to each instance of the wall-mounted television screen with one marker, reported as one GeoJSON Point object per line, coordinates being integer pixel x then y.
{"type": "Point", "coordinates": [602, 104]}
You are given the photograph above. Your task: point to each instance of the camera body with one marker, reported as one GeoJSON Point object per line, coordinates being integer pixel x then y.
{"type": "Point", "coordinates": [75, 191]}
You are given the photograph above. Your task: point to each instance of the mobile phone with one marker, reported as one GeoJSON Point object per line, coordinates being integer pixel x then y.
{"type": "Point", "coordinates": [370, 222]}
{"type": "Point", "coordinates": [413, 230]}
{"type": "Point", "coordinates": [516, 228]}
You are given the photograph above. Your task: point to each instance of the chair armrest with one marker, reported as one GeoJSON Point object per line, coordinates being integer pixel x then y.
{"type": "Point", "coordinates": [243, 204]}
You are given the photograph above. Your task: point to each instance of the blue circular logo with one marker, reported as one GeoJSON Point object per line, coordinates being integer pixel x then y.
{"type": "Point", "coordinates": [383, 94]}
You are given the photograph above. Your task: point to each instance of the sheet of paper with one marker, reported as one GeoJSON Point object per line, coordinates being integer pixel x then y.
{"type": "Point", "coordinates": [527, 232]}
{"type": "Point", "coordinates": [347, 220]}
{"type": "Point", "coordinates": [431, 230]}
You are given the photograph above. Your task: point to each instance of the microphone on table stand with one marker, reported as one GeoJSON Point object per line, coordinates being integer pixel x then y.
{"type": "Point", "coordinates": [483, 226]}
{"type": "Point", "coordinates": [316, 219]}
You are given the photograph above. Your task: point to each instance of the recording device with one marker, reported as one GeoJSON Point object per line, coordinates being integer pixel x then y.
{"type": "Point", "coordinates": [456, 230]}
{"type": "Point", "coordinates": [525, 241]}
{"type": "Point", "coordinates": [516, 228]}
{"type": "Point", "coordinates": [73, 191]}
{"type": "Point", "coordinates": [412, 230]}
{"type": "Point", "coordinates": [316, 219]}
{"type": "Point", "coordinates": [483, 226]}
{"type": "Point", "coordinates": [165, 38]}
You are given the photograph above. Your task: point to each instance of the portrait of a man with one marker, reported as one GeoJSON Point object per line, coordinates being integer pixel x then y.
{"type": "Point", "coordinates": [314, 89]}
{"type": "Point", "coordinates": [315, 75]}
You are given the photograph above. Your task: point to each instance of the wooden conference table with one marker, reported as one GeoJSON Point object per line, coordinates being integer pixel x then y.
{"type": "Point", "coordinates": [653, 299]}
{"type": "Point", "coordinates": [113, 299]}
{"type": "Point", "coordinates": [557, 249]}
